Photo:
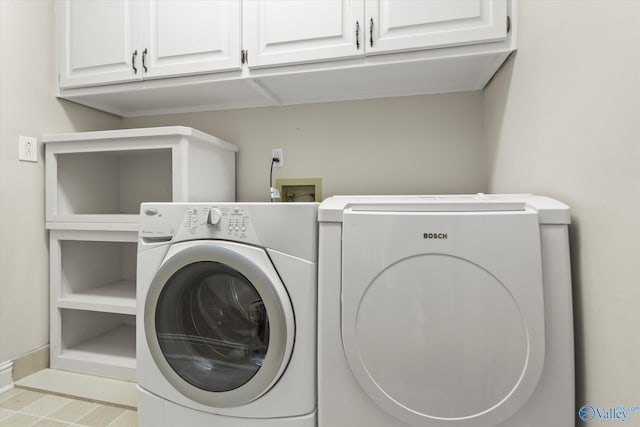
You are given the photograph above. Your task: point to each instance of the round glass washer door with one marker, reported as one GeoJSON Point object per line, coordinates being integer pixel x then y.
{"type": "Point", "coordinates": [219, 322]}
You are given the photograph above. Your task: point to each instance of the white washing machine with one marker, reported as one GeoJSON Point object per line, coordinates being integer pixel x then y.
{"type": "Point", "coordinates": [226, 321]}
{"type": "Point", "coordinates": [449, 311]}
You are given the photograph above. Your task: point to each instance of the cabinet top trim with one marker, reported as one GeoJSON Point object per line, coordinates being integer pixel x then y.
{"type": "Point", "coordinates": [140, 133]}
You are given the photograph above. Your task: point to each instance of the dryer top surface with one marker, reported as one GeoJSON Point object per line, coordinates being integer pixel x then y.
{"type": "Point", "coordinates": [550, 211]}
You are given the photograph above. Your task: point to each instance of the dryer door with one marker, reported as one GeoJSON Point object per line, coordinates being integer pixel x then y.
{"type": "Point", "coordinates": [219, 322]}
{"type": "Point", "coordinates": [442, 314]}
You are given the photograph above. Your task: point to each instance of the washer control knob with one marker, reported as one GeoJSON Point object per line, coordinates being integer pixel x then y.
{"type": "Point", "coordinates": [214, 216]}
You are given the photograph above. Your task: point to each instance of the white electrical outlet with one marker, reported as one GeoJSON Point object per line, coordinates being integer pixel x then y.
{"type": "Point", "coordinates": [278, 153]}
{"type": "Point", "coordinates": [27, 148]}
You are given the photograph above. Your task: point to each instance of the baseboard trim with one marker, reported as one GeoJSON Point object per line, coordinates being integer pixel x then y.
{"type": "Point", "coordinates": [6, 376]}
{"type": "Point", "coordinates": [30, 363]}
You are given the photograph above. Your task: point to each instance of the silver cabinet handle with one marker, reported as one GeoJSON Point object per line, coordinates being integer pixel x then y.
{"type": "Point", "coordinates": [133, 61]}
{"type": "Point", "coordinates": [358, 35]}
{"type": "Point", "coordinates": [144, 56]}
{"type": "Point", "coordinates": [371, 32]}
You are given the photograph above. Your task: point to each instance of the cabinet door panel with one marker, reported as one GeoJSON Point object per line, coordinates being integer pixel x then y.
{"type": "Point", "coordinates": [97, 41]}
{"type": "Point", "coordinates": [400, 25]}
{"type": "Point", "coordinates": [189, 37]}
{"type": "Point", "coordinates": [279, 32]}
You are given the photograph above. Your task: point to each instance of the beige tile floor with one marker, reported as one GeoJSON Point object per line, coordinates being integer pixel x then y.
{"type": "Point", "coordinates": [26, 408]}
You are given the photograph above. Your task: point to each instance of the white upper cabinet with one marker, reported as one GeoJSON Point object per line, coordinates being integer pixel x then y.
{"type": "Point", "coordinates": [148, 57]}
{"type": "Point", "coordinates": [117, 41]}
{"type": "Point", "coordinates": [402, 25]}
{"type": "Point", "coordinates": [190, 37]}
{"type": "Point", "coordinates": [98, 41]}
{"type": "Point", "coordinates": [280, 32]}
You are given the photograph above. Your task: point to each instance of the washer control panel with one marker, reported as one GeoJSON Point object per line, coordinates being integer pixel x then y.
{"type": "Point", "coordinates": [222, 222]}
{"type": "Point", "coordinates": [178, 221]}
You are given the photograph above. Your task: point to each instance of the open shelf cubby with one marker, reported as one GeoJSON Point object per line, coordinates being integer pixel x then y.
{"type": "Point", "coordinates": [96, 343]}
{"type": "Point", "coordinates": [113, 182]}
{"type": "Point", "coordinates": [103, 177]}
{"type": "Point", "coordinates": [93, 270]}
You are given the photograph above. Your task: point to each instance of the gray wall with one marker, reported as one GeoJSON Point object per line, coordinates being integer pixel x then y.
{"type": "Point", "coordinates": [563, 119]}
{"type": "Point", "coordinates": [28, 107]}
{"type": "Point", "coordinates": [409, 145]}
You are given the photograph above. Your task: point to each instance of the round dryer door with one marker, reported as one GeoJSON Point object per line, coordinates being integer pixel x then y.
{"type": "Point", "coordinates": [219, 322]}
{"type": "Point", "coordinates": [440, 328]}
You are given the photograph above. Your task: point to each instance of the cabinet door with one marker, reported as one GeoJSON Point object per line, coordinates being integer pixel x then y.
{"type": "Point", "coordinates": [401, 25]}
{"type": "Point", "coordinates": [188, 37]}
{"type": "Point", "coordinates": [279, 32]}
{"type": "Point", "coordinates": [98, 41]}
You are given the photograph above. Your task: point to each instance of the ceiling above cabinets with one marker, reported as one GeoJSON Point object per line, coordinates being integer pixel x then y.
{"type": "Point", "coordinates": [134, 58]}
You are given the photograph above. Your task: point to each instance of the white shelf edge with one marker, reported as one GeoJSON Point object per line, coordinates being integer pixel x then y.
{"type": "Point", "coordinates": [99, 222]}
{"type": "Point", "coordinates": [118, 297]}
{"type": "Point", "coordinates": [97, 359]}
{"type": "Point", "coordinates": [152, 132]}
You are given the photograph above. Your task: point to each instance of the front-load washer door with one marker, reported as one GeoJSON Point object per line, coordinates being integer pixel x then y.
{"type": "Point", "coordinates": [442, 313]}
{"type": "Point", "coordinates": [219, 322]}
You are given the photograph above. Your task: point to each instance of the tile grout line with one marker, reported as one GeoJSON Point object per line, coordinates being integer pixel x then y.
{"type": "Point", "coordinates": [84, 414]}
{"type": "Point", "coordinates": [116, 418]}
{"type": "Point", "coordinates": [62, 403]}
{"type": "Point", "coordinates": [10, 412]}
{"type": "Point", "coordinates": [11, 395]}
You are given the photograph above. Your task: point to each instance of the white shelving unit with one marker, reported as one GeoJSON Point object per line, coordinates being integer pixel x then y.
{"type": "Point", "coordinates": [95, 182]}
